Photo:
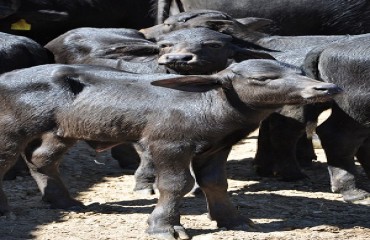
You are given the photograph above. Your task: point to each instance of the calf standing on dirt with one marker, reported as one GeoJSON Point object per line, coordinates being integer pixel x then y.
{"type": "Point", "coordinates": [185, 51]}
{"type": "Point", "coordinates": [46, 109]}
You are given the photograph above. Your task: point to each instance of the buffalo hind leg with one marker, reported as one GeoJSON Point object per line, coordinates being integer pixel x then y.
{"type": "Point", "coordinates": [145, 174]}
{"type": "Point", "coordinates": [9, 152]}
{"type": "Point", "coordinates": [277, 144]}
{"type": "Point", "coordinates": [305, 151]}
{"type": "Point", "coordinates": [43, 157]}
{"type": "Point", "coordinates": [341, 138]}
{"type": "Point", "coordinates": [126, 155]}
{"type": "Point", "coordinates": [211, 176]}
{"type": "Point", "coordinates": [6, 162]}
{"type": "Point", "coordinates": [264, 160]}
{"type": "Point", "coordinates": [363, 156]}
{"type": "Point", "coordinates": [174, 180]}
{"type": "Point", "coordinates": [19, 169]}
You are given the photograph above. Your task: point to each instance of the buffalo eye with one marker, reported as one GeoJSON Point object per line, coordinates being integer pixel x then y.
{"type": "Point", "coordinates": [213, 44]}
{"type": "Point", "coordinates": [165, 45]}
{"type": "Point", "coordinates": [264, 78]}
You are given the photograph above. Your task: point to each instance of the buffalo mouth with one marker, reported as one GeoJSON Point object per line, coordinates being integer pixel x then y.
{"type": "Point", "coordinates": [184, 67]}
{"type": "Point", "coordinates": [321, 94]}
{"type": "Point", "coordinates": [192, 67]}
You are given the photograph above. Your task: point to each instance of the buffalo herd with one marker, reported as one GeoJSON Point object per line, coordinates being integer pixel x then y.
{"type": "Point", "coordinates": [171, 86]}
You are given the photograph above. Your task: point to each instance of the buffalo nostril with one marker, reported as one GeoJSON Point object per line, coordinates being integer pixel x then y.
{"type": "Point", "coordinates": [179, 57]}
{"type": "Point", "coordinates": [329, 89]}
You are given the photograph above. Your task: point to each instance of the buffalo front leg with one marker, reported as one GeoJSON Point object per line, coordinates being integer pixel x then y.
{"type": "Point", "coordinates": [43, 158]}
{"type": "Point", "coordinates": [174, 180]}
{"type": "Point", "coordinates": [211, 176]}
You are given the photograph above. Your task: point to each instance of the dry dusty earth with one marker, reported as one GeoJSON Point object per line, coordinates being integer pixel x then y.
{"type": "Point", "coordinates": [298, 210]}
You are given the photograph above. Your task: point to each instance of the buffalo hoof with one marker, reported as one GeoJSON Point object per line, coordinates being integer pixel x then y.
{"type": "Point", "coordinates": [145, 191]}
{"type": "Point", "coordinates": [8, 215]}
{"type": "Point", "coordinates": [356, 196]}
{"type": "Point", "coordinates": [263, 171]}
{"type": "Point", "coordinates": [288, 175]}
{"type": "Point", "coordinates": [67, 204]}
{"type": "Point", "coordinates": [10, 175]}
{"type": "Point", "coordinates": [365, 201]}
{"type": "Point", "coordinates": [305, 159]}
{"type": "Point", "coordinates": [175, 233]}
{"type": "Point", "coordinates": [128, 167]}
{"type": "Point", "coordinates": [239, 223]}
{"type": "Point", "coordinates": [19, 169]}
{"type": "Point", "coordinates": [4, 211]}
{"type": "Point", "coordinates": [305, 162]}
{"type": "Point", "coordinates": [196, 192]}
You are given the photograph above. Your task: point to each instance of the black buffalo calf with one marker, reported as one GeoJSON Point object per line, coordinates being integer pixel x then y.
{"type": "Point", "coordinates": [120, 48]}
{"type": "Point", "coordinates": [20, 52]}
{"type": "Point", "coordinates": [186, 51]}
{"type": "Point", "coordinates": [45, 110]}
{"type": "Point", "coordinates": [346, 133]}
{"type": "Point", "coordinates": [294, 17]}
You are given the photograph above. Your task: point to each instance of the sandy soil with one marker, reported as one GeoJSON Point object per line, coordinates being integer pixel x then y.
{"type": "Point", "coordinates": [298, 210]}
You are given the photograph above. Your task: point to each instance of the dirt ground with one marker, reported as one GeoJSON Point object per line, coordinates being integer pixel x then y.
{"type": "Point", "coordinates": [297, 210]}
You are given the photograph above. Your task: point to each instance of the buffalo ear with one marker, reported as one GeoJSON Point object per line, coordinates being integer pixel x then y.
{"type": "Point", "coordinates": [189, 83]}
{"type": "Point", "coordinates": [245, 54]}
{"type": "Point", "coordinates": [311, 62]}
{"type": "Point", "coordinates": [223, 26]}
{"type": "Point", "coordinates": [233, 28]}
{"type": "Point", "coordinates": [255, 24]}
{"type": "Point", "coordinates": [241, 24]}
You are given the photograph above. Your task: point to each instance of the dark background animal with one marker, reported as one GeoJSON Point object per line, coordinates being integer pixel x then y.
{"type": "Point", "coordinates": [346, 133]}
{"type": "Point", "coordinates": [173, 127]}
{"type": "Point", "coordinates": [44, 20]}
{"type": "Point", "coordinates": [21, 52]}
{"type": "Point", "coordinates": [294, 17]}
{"type": "Point", "coordinates": [209, 19]}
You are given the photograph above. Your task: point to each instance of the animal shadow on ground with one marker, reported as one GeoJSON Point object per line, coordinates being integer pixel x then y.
{"type": "Point", "coordinates": [297, 205]}
{"type": "Point", "coordinates": [275, 205]}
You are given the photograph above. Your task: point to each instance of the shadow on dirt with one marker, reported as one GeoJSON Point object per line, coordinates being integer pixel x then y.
{"type": "Point", "coordinates": [258, 198]}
